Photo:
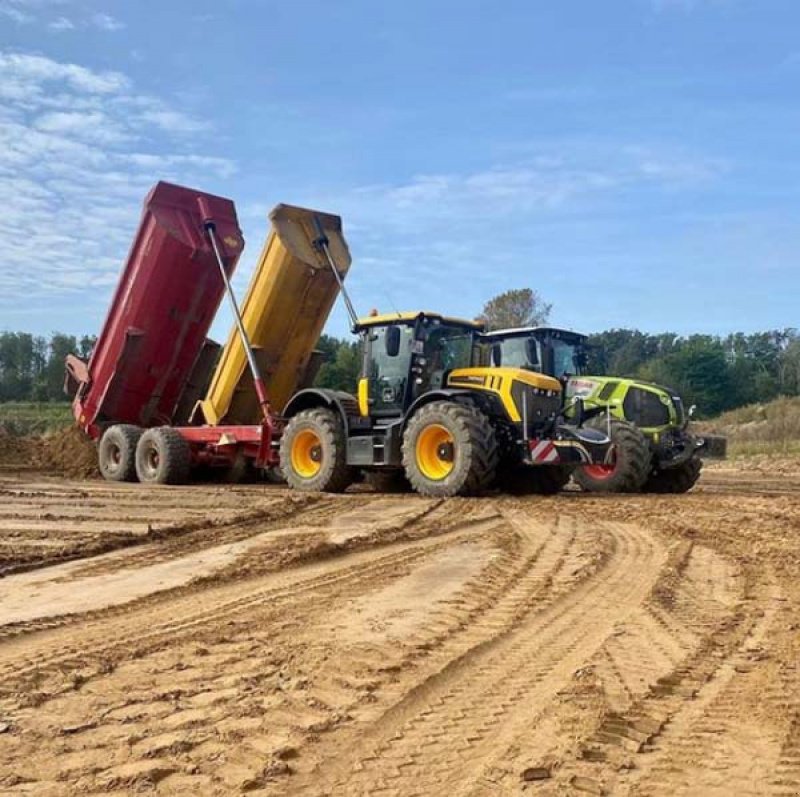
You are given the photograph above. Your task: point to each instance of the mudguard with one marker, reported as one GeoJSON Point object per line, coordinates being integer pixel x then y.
{"type": "Point", "coordinates": [344, 403]}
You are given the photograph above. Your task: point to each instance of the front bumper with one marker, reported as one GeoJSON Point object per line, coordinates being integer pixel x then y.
{"type": "Point", "coordinates": [674, 449]}
{"type": "Point", "coordinates": [570, 445]}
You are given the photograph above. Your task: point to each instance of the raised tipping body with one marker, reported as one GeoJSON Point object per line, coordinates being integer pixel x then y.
{"type": "Point", "coordinates": [160, 314]}
{"type": "Point", "coordinates": [286, 306]}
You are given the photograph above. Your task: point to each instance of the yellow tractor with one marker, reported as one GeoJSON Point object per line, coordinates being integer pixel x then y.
{"type": "Point", "coordinates": [430, 411]}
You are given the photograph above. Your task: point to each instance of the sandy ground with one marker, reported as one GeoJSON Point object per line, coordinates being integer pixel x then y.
{"type": "Point", "coordinates": [221, 640]}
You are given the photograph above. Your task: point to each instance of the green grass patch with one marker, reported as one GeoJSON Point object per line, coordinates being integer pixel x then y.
{"type": "Point", "coordinates": [22, 418]}
{"type": "Point", "coordinates": [772, 428]}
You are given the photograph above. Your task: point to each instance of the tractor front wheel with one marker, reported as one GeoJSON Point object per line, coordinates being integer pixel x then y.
{"type": "Point", "coordinates": [449, 449]}
{"type": "Point", "coordinates": [675, 480]}
{"type": "Point", "coordinates": [314, 452]}
{"type": "Point", "coordinates": [629, 465]}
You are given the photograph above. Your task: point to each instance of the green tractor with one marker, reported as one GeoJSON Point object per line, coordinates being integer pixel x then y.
{"type": "Point", "coordinates": [654, 449]}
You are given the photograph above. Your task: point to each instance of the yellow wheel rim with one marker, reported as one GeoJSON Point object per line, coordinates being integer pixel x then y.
{"type": "Point", "coordinates": [306, 454]}
{"type": "Point", "coordinates": [435, 452]}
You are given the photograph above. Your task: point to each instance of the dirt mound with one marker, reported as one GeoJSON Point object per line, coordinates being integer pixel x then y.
{"type": "Point", "coordinates": [14, 450]}
{"type": "Point", "coordinates": [68, 452]}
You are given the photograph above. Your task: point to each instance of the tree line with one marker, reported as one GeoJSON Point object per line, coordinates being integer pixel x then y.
{"type": "Point", "coordinates": [716, 373]}
{"type": "Point", "coordinates": [32, 367]}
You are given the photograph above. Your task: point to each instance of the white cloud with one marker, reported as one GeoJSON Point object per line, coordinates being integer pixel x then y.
{"type": "Point", "coordinates": [33, 73]}
{"type": "Point", "coordinates": [26, 12]}
{"type": "Point", "coordinates": [106, 22]}
{"type": "Point", "coordinates": [61, 24]}
{"type": "Point", "coordinates": [79, 149]}
{"type": "Point", "coordinates": [15, 14]}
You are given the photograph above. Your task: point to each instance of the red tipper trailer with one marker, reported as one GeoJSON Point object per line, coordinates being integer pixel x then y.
{"type": "Point", "coordinates": [153, 345]}
{"type": "Point", "coordinates": [152, 360]}
{"type": "Point", "coordinates": [160, 314]}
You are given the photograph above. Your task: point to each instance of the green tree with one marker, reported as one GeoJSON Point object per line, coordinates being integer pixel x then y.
{"type": "Point", "coordinates": [342, 367]}
{"type": "Point", "coordinates": [522, 307]}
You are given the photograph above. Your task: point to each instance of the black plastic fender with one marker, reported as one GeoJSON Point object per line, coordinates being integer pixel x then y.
{"type": "Point", "coordinates": [447, 394]}
{"type": "Point", "coordinates": [581, 445]}
{"type": "Point", "coordinates": [344, 403]}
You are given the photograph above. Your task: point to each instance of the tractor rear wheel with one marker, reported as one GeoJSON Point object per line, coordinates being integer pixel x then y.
{"type": "Point", "coordinates": [116, 453]}
{"type": "Point", "coordinates": [163, 457]}
{"type": "Point", "coordinates": [449, 449]}
{"type": "Point", "coordinates": [314, 452]}
{"type": "Point", "coordinates": [627, 471]}
{"type": "Point", "coordinates": [675, 480]}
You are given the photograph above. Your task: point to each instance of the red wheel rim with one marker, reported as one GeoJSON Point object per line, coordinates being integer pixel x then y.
{"type": "Point", "coordinates": [601, 472]}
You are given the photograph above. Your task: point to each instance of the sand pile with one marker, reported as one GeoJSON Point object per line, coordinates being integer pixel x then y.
{"type": "Point", "coordinates": [68, 452]}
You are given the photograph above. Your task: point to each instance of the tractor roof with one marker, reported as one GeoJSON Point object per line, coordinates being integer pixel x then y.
{"type": "Point", "coordinates": [410, 317]}
{"type": "Point", "coordinates": [519, 332]}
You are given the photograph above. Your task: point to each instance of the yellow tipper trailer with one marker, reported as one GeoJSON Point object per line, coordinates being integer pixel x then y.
{"type": "Point", "coordinates": [286, 306]}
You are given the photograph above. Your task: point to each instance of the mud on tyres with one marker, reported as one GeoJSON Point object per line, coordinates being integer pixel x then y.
{"type": "Point", "coordinates": [449, 449]}
{"type": "Point", "coordinates": [116, 452]}
{"type": "Point", "coordinates": [675, 480]}
{"type": "Point", "coordinates": [313, 452]}
{"type": "Point", "coordinates": [631, 464]}
{"type": "Point", "coordinates": [163, 457]}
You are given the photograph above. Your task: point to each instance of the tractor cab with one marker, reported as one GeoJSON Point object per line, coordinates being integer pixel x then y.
{"type": "Point", "coordinates": [556, 352]}
{"type": "Point", "coordinates": [407, 355]}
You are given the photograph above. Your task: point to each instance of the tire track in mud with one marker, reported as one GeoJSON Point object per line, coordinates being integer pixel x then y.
{"type": "Point", "coordinates": [541, 545]}
{"type": "Point", "coordinates": [171, 537]}
{"type": "Point", "coordinates": [645, 739]}
{"type": "Point", "coordinates": [133, 629]}
{"type": "Point", "coordinates": [435, 740]}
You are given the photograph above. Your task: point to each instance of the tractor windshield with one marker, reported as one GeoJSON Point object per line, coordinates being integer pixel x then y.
{"type": "Point", "coordinates": [566, 359]}
{"type": "Point", "coordinates": [445, 348]}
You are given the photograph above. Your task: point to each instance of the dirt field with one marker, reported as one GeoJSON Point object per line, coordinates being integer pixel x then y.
{"type": "Point", "coordinates": [218, 639]}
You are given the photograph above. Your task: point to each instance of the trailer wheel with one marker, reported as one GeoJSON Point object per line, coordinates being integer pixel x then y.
{"type": "Point", "coordinates": [314, 452]}
{"type": "Point", "coordinates": [116, 453]}
{"type": "Point", "coordinates": [675, 480]}
{"type": "Point", "coordinates": [449, 449]}
{"type": "Point", "coordinates": [630, 466]}
{"type": "Point", "coordinates": [163, 457]}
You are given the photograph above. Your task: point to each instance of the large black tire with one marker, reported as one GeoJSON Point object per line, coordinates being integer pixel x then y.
{"type": "Point", "coordinates": [632, 461]}
{"type": "Point", "coordinates": [675, 480]}
{"type": "Point", "coordinates": [388, 481]}
{"type": "Point", "coordinates": [462, 462]}
{"type": "Point", "coordinates": [163, 457]}
{"type": "Point", "coordinates": [313, 452]}
{"type": "Point", "coordinates": [534, 479]}
{"type": "Point", "coordinates": [116, 453]}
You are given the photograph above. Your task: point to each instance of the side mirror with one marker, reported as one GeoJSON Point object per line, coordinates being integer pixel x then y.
{"type": "Point", "coordinates": [692, 410]}
{"type": "Point", "coordinates": [392, 341]}
{"type": "Point", "coordinates": [581, 358]}
{"type": "Point", "coordinates": [497, 355]}
{"type": "Point", "coordinates": [580, 411]}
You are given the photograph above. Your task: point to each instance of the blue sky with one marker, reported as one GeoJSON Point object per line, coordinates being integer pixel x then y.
{"type": "Point", "coordinates": [635, 161]}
